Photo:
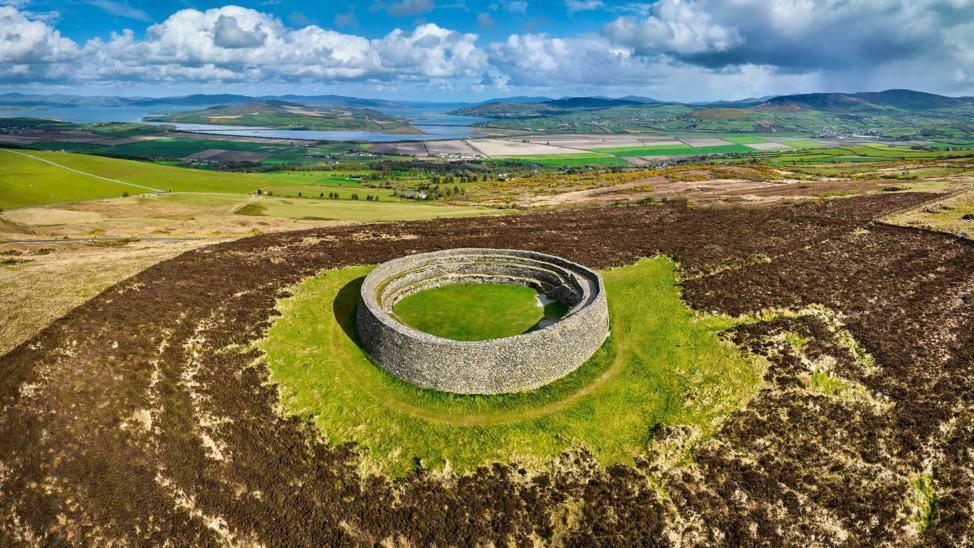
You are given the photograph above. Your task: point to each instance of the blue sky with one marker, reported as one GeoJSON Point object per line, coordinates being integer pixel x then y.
{"type": "Point", "coordinates": [468, 49]}
{"type": "Point", "coordinates": [83, 20]}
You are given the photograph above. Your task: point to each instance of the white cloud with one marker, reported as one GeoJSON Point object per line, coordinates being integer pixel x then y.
{"type": "Point", "coordinates": [536, 60]}
{"type": "Point", "coordinates": [227, 33]}
{"type": "Point", "coordinates": [795, 35]}
{"type": "Point", "coordinates": [583, 5]}
{"type": "Point", "coordinates": [594, 65]}
{"type": "Point", "coordinates": [513, 6]}
{"type": "Point", "coordinates": [679, 49]}
{"type": "Point", "coordinates": [26, 41]}
{"type": "Point", "coordinates": [430, 51]}
{"type": "Point", "coordinates": [240, 44]}
{"type": "Point", "coordinates": [676, 26]}
{"type": "Point", "coordinates": [121, 9]}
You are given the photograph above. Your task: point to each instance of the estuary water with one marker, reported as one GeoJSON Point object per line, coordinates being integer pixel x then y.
{"type": "Point", "coordinates": [434, 122]}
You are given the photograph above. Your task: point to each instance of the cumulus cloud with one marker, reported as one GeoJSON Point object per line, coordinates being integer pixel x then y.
{"type": "Point", "coordinates": [682, 49]}
{"type": "Point", "coordinates": [538, 60]}
{"type": "Point", "coordinates": [676, 27]}
{"type": "Point", "coordinates": [25, 41]}
{"type": "Point", "coordinates": [239, 44]}
{"type": "Point", "coordinates": [594, 65]}
{"type": "Point", "coordinates": [796, 35]}
{"type": "Point", "coordinates": [431, 51]}
{"type": "Point", "coordinates": [227, 33]}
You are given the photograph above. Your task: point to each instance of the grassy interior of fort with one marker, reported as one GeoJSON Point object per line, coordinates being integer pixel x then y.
{"type": "Point", "coordinates": [663, 364]}
{"type": "Point", "coordinates": [475, 312]}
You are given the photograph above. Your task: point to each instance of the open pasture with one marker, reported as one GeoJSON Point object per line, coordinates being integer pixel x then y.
{"type": "Point", "coordinates": [746, 140]}
{"type": "Point", "coordinates": [593, 141]}
{"type": "Point", "coordinates": [411, 148]}
{"type": "Point", "coordinates": [25, 181]}
{"type": "Point", "coordinates": [451, 147]}
{"type": "Point", "coordinates": [472, 312]}
{"type": "Point", "coordinates": [800, 143]}
{"type": "Point", "coordinates": [875, 152]}
{"type": "Point", "coordinates": [30, 181]}
{"type": "Point", "coordinates": [767, 146]}
{"type": "Point", "coordinates": [705, 142]}
{"type": "Point", "coordinates": [499, 147]}
{"type": "Point", "coordinates": [565, 160]}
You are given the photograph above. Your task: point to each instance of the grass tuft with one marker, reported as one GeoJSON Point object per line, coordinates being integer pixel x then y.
{"type": "Point", "coordinates": [924, 500]}
{"type": "Point", "coordinates": [472, 312]}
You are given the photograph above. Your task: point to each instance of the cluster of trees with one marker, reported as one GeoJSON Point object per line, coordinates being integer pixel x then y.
{"type": "Point", "coordinates": [331, 195]}
{"type": "Point", "coordinates": [353, 196]}
{"type": "Point", "coordinates": [452, 179]}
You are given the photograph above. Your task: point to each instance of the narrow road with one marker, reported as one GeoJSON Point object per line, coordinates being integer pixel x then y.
{"type": "Point", "coordinates": [149, 188]}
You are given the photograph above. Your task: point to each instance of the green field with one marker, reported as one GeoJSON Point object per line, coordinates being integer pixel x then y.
{"type": "Point", "coordinates": [875, 152]}
{"type": "Point", "coordinates": [178, 147]}
{"type": "Point", "coordinates": [663, 364]}
{"type": "Point", "coordinates": [647, 150]}
{"type": "Point", "coordinates": [175, 148]}
{"type": "Point", "coordinates": [565, 160]}
{"type": "Point", "coordinates": [745, 140]}
{"type": "Point", "coordinates": [26, 181]}
{"type": "Point", "coordinates": [471, 312]}
{"type": "Point", "coordinates": [804, 144]}
{"type": "Point", "coordinates": [674, 150]}
{"type": "Point", "coordinates": [288, 115]}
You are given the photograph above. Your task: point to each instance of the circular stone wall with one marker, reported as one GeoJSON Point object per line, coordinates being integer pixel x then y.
{"type": "Point", "coordinates": [493, 366]}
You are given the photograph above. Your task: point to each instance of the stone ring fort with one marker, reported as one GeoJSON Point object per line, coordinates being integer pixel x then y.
{"type": "Point", "coordinates": [494, 366]}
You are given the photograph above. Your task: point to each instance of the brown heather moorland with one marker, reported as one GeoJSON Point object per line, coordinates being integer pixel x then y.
{"type": "Point", "coordinates": [141, 417]}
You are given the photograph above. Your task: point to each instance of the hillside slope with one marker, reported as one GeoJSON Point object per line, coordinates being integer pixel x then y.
{"type": "Point", "coordinates": [288, 115]}
{"type": "Point", "coordinates": [896, 113]}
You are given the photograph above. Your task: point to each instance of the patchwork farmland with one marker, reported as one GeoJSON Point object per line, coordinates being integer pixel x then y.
{"type": "Point", "coordinates": [789, 344]}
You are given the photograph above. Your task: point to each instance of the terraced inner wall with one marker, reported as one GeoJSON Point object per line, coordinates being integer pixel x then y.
{"type": "Point", "coordinates": [509, 364]}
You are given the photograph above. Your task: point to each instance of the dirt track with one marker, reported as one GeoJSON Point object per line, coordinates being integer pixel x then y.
{"type": "Point", "coordinates": [137, 418]}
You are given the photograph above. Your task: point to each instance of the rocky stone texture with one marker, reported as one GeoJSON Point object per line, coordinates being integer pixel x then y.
{"type": "Point", "coordinates": [494, 366]}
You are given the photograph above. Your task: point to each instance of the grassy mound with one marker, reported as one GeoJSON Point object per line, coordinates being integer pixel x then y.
{"type": "Point", "coordinates": [661, 365]}
{"type": "Point", "coordinates": [472, 312]}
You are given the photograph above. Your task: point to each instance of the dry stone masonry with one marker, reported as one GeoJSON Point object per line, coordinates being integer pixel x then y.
{"type": "Point", "coordinates": [509, 364]}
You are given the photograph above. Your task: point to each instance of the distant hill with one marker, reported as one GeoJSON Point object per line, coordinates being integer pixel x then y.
{"type": "Point", "coordinates": [190, 100]}
{"type": "Point", "coordinates": [895, 113]}
{"type": "Point", "coordinates": [640, 99]}
{"type": "Point", "coordinates": [518, 99]}
{"type": "Point", "coordinates": [737, 103]}
{"type": "Point", "coordinates": [549, 107]}
{"type": "Point", "coordinates": [278, 114]}
{"type": "Point", "coordinates": [590, 103]}
{"type": "Point", "coordinates": [903, 99]}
